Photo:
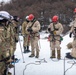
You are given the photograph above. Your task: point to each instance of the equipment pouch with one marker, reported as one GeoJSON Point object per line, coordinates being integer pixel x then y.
{"type": "Point", "coordinates": [61, 38]}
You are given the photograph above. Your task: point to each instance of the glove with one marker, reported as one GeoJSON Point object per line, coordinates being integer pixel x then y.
{"type": "Point", "coordinates": [29, 30]}
{"type": "Point", "coordinates": [70, 35]}
{"type": "Point", "coordinates": [49, 29]}
{"type": "Point", "coordinates": [54, 32]}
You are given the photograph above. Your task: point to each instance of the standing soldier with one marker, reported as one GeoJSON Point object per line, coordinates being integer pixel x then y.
{"type": "Point", "coordinates": [72, 54]}
{"type": "Point", "coordinates": [34, 27]}
{"type": "Point", "coordinates": [26, 36]}
{"type": "Point", "coordinates": [14, 21]}
{"type": "Point", "coordinates": [5, 45]}
{"type": "Point", "coordinates": [2, 39]}
{"type": "Point", "coordinates": [16, 27]}
{"type": "Point", "coordinates": [55, 29]}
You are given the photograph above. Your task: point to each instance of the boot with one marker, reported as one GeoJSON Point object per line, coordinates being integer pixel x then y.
{"type": "Point", "coordinates": [25, 50]}
{"type": "Point", "coordinates": [37, 55]}
{"type": "Point", "coordinates": [32, 55]}
{"type": "Point", "coordinates": [28, 49]}
{"type": "Point", "coordinates": [53, 54]}
{"type": "Point", "coordinates": [9, 73]}
{"type": "Point", "coordinates": [69, 56]}
{"type": "Point", "coordinates": [58, 54]}
{"type": "Point", "coordinates": [11, 66]}
{"type": "Point", "coordinates": [14, 59]}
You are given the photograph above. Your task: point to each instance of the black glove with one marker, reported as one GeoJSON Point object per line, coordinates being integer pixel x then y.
{"type": "Point", "coordinates": [70, 35]}
{"type": "Point", "coordinates": [49, 29]}
{"type": "Point", "coordinates": [29, 30]}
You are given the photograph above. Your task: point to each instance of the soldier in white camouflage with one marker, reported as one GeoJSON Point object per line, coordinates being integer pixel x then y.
{"type": "Point", "coordinates": [55, 29]}
{"type": "Point", "coordinates": [26, 36]}
{"type": "Point", "coordinates": [33, 28]}
{"type": "Point", "coordinates": [72, 54]}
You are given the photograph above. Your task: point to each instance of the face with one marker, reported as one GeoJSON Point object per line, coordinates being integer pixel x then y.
{"type": "Point", "coordinates": [55, 22]}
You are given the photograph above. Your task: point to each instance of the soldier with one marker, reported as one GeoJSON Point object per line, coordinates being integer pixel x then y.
{"type": "Point", "coordinates": [5, 45]}
{"type": "Point", "coordinates": [2, 63]}
{"type": "Point", "coordinates": [26, 36]}
{"type": "Point", "coordinates": [72, 54]}
{"type": "Point", "coordinates": [16, 26]}
{"type": "Point", "coordinates": [15, 35]}
{"type": "Point", "coordinates": [34, 27]}
{"type": "Point", "coordinates": [55, 29]}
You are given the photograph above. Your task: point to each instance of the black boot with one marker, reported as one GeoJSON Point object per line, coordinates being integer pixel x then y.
{"type": "Point", "coordinates": [68, 56]}
{"type": "Point", "coordinates": [32, 55]}
{"type": "Point", "coordinates": [37, 54]}
{"type": "Point", "coordinates": [25, 51]}
{"type": "Point", "coordinates": [28, 49]}
{"type": "Point", "coordinates": [14, 59]}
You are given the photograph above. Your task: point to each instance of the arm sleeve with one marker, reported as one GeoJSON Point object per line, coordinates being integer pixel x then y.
{"type": "Point", "coordinates": [71, 30]}
{"type": "Point", "coordinates": [23, 28]}
{"type": "Point", "coordinates": [60, 29]}
{"type": "Point", "coordinates": [36, 27]}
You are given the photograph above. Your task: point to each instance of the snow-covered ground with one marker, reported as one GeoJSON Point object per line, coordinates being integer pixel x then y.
{"type": "Point", "coordinates": [43, 65]}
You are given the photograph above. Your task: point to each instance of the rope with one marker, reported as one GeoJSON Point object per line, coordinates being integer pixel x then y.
{"type": "Point", "coordinates": [36, 63]}
{"type": "Point", "coordinates": [70, 62]}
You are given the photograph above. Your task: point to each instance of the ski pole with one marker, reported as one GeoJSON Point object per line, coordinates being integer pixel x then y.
{"type": "Point", "coordinates": [14, 64]}
{"type": "Point", "coordinates": [39, 44]}
{"type": "Point", "coordinates": [21, 51]}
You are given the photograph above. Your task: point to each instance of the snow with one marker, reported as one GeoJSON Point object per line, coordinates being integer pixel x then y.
{"type": "Point", "coordinates": [43, 65]}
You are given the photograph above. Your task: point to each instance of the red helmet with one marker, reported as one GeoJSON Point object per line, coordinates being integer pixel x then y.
{"type": "Point", "coordinates": [55, 18]}
{"type": "Point", "coordinates": [75, 10]}
{"type": "Point", "coordinates": [31, 17]}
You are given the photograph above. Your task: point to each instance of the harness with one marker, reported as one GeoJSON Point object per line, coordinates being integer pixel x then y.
{"type": "Point", "coordinates": [33, 34]}
{"type": "Point", "coordinates": [53, 36]}
{"type": "Point", "coordinates": [32, 24]}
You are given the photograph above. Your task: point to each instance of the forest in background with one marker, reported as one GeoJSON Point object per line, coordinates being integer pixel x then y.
{"type": "Point", "coordinates": [42, 9]}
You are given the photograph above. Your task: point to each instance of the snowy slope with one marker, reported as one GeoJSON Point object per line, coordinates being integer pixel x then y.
{"type": "Point", "coordinates": [43, 65]}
